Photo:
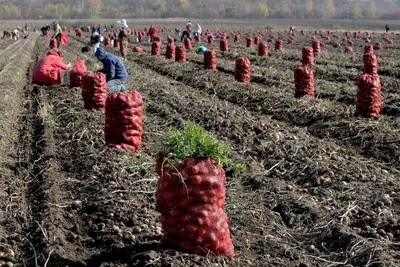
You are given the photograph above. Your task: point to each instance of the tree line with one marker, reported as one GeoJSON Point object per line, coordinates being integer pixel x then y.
{"type": "Point", "coordinates": [316, 9]}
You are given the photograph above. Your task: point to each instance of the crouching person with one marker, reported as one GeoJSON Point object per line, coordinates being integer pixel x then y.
{"type": "Point", "coordinates": [51, 69]}
{"type": "Point", "coordinates": [114, 69]}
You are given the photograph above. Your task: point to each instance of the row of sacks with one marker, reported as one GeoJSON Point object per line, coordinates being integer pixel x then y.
{"type": "Point", "coordinates": [197, 224]}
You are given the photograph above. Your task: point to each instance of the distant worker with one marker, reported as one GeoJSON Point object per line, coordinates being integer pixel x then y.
{"type": "Point", "coordinates": [123, 42]}
{"type": "Point", "coordinates": [152, 32]}
{"type": "Point", "coordinates": [292, 29]}
{"type": "Point", "coordinates": [187, 31]}
{"type": "Point", "coordinates": [197, 30]}
{"type": "Point", "coordinates": [15, 34]}
{"type": "Point", "coordinates": [387, 28]}
{"type": "Point", "coordinates": [201, 49]}
{"type": "Point", "coordinates": [114, 69]}
{"type": "Point", "coordinates": [95, 41]}
{"type": "Point", "coordinates": [6, 34]}
{"type": "Point", "coordinates": [56, 31]}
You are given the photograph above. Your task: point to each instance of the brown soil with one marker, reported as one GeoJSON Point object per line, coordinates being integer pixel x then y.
{"type": "Point", "coordinates": [320, 187]}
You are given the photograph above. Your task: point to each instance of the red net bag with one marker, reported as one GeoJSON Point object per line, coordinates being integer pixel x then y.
{"type": "Point", "coordinates": [123, 120]}
{"type": "Point", "coordinates": [236, 38]}
{"type": "Point", "coordinates": [304, 82]}
{"type": "Point", "coordinates": [336, 45]}
{"type": "Point", "coordinates": [156, 48]}
{"type": "Point", "coordinates": [78, 32]}
{"type": "Point", "coordinates": [263, 49]}
{"type": "Point", "coordinates": [369, 99]}
{"type": "Point", "coordinates": [170, 53]}
{"type": "Point", "coordinates": [107, 41]}
{"type": "Point", "coordinates": [349, 49]}
{"type": "Point", "coordinates": [367, 40]}
{"type": "Point", "coordinates": [242, 70]}
{"type": "Point", "coordinates": [94, 90]}
{"type": "Point", "coordinates": [137, 49]}
{"type": "Point", "coordinates": [390, 42]}
{"type": "Point", "coordinates": [210, 40]}
{"type": "Point", "coordinates": [157, 39]}
{"type": "Point", "coordinates": [171, 40]}
{"type": "Point", "coordinates": [279, 45]}
{"type": "Point", "coordinates": [370, 64]}
{"type": "Point", "coordinates": [257, 40]}
{"type": "Point", "coordinates": [368, 49]}
{"type": "Point", "coordinates": [223, 45]}
{"type": "Point", "coordinates": [53, 43]}
{"type": "Point", "coordinates": [197, 39]}
{"type": "Point", "coordinates": [249, 42]}
{"type": "Point", "coordinates": [180, 54]}
{"type": "Point", "coordinates": [191, 209]}
{"type": "Point", "coordinates": [77, 73]}
{"type": "Point", "coordinates": [210, 60]}
{"type": "Point", "coordinates": [308, 56]}
{"type": "Point", "coordinates": [378, 46]}
{"type": "Point", "coordinates": [316, 46]}
{"type": "Point", "coordinates": [188, 43]}
{"type": "Point", "coordinates": [116, 43]}
{"type": "Point", "coordinates": [355, 35]}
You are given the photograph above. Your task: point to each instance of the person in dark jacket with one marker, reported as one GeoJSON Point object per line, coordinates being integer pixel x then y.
{"type": "Point", "coordinates": [114, 69]}
{"type": "Point", "coordinates": [387, 28]}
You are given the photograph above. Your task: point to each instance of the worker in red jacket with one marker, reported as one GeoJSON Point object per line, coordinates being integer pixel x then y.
{"type": "Point", "coordinates": [152, 32]}
{"type": "Point", "coordinates": [49, 70]}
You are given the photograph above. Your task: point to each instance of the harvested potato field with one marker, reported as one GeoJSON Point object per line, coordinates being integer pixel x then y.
{"type": "Point", "coordinates": [311, 184]}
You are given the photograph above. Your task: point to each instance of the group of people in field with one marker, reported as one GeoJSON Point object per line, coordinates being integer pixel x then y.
{"type": "Point", "coordinates": [52, 70]}
{"type": "Point", "coordinates": [17, 33]}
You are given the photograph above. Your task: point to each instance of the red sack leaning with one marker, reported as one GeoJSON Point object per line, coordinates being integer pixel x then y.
{"type": "Point", "coordinates": [53, 43]}
{"type": "Point", "coordinates": [123, 120]}
{"type": "Point", "coordinates": [210, 60]}
{"type": "Point", "coordinates": [188, 43]}
{"type": "Point", "coordinates": [76, 74]}
{"type": "Point", "coordinates": [191, 212]}
{"type": "Point", "coordinates": [304, 82]}
{"type": "Point", "coordinates": [64, 38]}
{"type": "Point", "coordinates": [223, 45]}
{"type": "Point", "coordinates": [369, 98]}
{"type": "Point", "coordinates": [94, 90]}
{"type": "Point", "coordinates": [180, 54]}
{"type": "Point", "coordinates": [279, 45]}
{"type": "Point", "coordinates": [170, 51]}
{"type": "Point", "coordinates": [243, 70]}
{"type": "Point", "coordinates": [155, 48]}
{"type": "Point", "coordinates": [249, 42]}
{"type": "Point", "coordinates": [107, 41]}
{"type": "Point", "coordinates": [116, 43]}
{"type": "Point", "coordinates": [308, 56]}
{"type": "Point", "coordinates": [263, 49]}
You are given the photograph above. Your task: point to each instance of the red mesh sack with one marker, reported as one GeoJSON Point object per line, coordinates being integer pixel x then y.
{"type": "Point", "coordinates": [242, 70]}
{"type": "Point", "coordinates": [157, 39]}
{"type": "Point", "coordinates": [53, 43]}
{"type": "Point", "coordinates": [223, 45]}
{"type": "Point", "coordinates": [378, 46]}
{"type": "Point", "coordinates": [123, 120]}
{"type": "Point", "coordinates": [367, 40]}
{"type": "Point", "coordinates": [137, 49]}
{"type": "Point", "coordinates": [197, 39]}
{"type": "Point", "coordinates": [355, 35]}
{"type": "Point", "coordinates": [188, 43]}
{"type": "Point", "coordinates": [210, 60]}
{"type": "Point", "coordinates": [210, 40]}
{"type": "Point", "coordinates": [249, 42]}
{"type": "Point", "coordinates": [390, 42]}
{"type": "Point", "coordinates": [236, 38]}
{"type": "Point", "coordinates": [94, 90]}
{"type": "Point", "coordinates": [257, 40]}
{"type": "Point", "coordinates": [336, 45]}
{"type": "Point", "coordinates": [308, 56]}
{"type": "Point", "coordinates": [107, 41]}
{"type": "Point", "coordinates": [116, 43]}
{"type": "Point", "coordinates": [316, 46]}
{"type": "Point", "coordinates": [304, 82]}
{"type": "Point", "coordinates": [180, 54]}
{"type": "Point", "coordinates": [78, 32]}
{"type": "Point", "coordinates": [156, 48]}
{"type": "Point", "coordinates": [191, 210]}
{"type": "Point", "coordinates": [279, 45]}
{"type": "Point", "coordinates": [349, 49]}
{"type": "Point", "coordinates": [77, 73]}
{"type": "Point", "coordinates": [368, 49]}
{"type": "Point", "coordinates": [170, 53]}
{"type": "Point", "coordinates": [263, 49]}
{"type": "Point", "coordinates": [369, 99]}
{"type": "Point", "coordinates": [170, 40]}
{"type": "Point", "coordinates": [370, 64]}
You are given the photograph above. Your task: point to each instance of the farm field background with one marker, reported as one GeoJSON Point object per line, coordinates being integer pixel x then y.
{"type": "Point", "coordinates": [321, 186]}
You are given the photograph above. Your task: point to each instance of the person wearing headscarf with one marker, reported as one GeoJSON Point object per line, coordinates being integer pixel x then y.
{"type": "Point", "coordinates": [123, 42]}
{"type": "Point", "coordinates": [95, 40]}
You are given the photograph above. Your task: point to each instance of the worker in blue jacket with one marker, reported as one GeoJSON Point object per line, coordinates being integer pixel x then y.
{"type": "Point", "coordinates": [114, 69]}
